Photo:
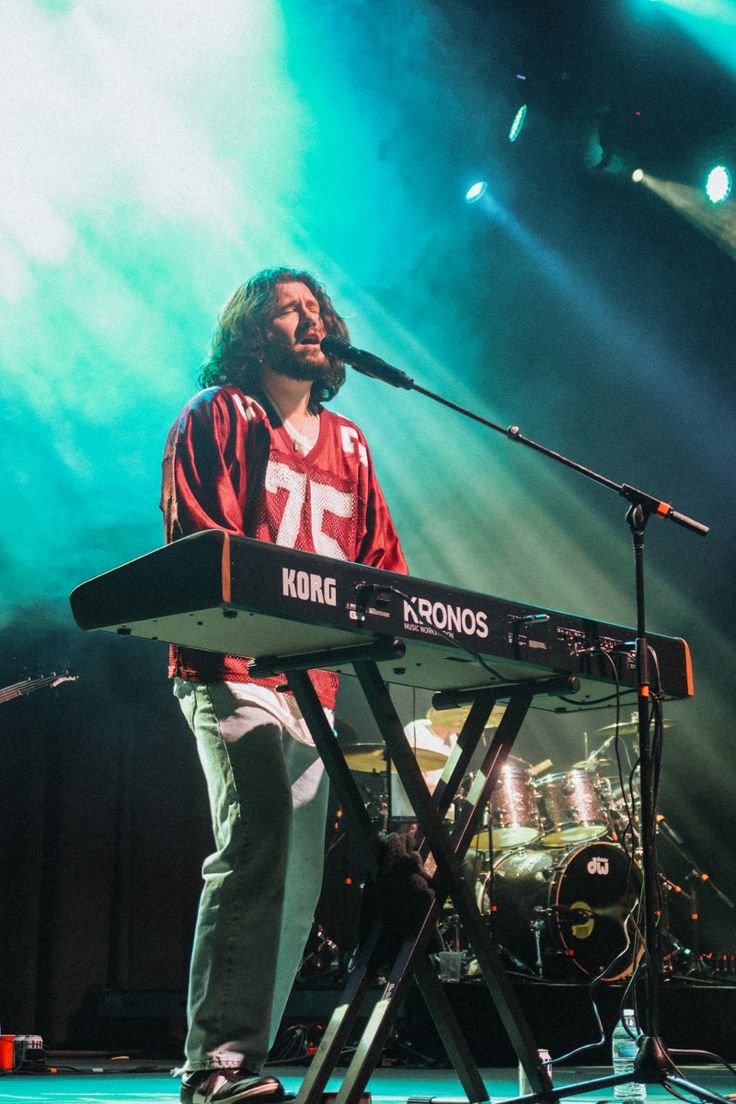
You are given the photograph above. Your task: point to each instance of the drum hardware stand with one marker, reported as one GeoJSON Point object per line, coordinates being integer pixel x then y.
{"type": "Point", "coordinates": [439, 851]}
{"type": "Point", "coordinates": [537, 925]}
{"type": "Point", "coordinates": [450, 932]}
{"type": "Point", "coordinates": [694, 880]}
{"type": "Point", "coordinates": [591, 759]}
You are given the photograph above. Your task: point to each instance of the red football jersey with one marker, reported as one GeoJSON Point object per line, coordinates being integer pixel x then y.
{"type": "Point", "coordinates": [230, 464]}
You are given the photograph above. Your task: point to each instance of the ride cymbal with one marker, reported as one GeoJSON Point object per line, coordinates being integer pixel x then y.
{"type": "Point", "coordinates": [372, 757]}
{"type": "Point", "coordinates": [455, 718]}
{"type": "Point", "coordinates": [625, 728]}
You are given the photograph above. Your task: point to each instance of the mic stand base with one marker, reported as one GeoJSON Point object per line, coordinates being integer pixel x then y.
{"type": "Point", "coordinates": [652, 1066]}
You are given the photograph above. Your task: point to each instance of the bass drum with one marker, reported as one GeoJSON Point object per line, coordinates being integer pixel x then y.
{"type": "Point", "coordinates": [580, 900]}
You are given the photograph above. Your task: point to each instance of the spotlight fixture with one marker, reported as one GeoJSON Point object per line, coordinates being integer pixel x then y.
{"type": "Point", "coordinates": [718, 184]}
{"type": "Point", "coordinates": [475, 191]}
{"type": "Point", "coordinates": [637, 176]}
{"type": "Point", "coordinates": [518, 123]}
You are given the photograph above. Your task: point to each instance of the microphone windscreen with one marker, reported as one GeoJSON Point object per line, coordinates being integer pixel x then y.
{"type": "Point", "coordinates": [335, 347]}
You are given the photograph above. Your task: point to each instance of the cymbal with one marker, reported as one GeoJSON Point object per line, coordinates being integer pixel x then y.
{"type": "Point", "coordinates": [591, 764]}
{"type": "Point", "coordinates": [365, 757]}
{"type": "Point", "coordinates": [455, 718]}
{"type": "Point", "coordinates": [372, 757]}
{"type": "Point", "coordinates": [626, 728]}
{"type": "Point", "coordinates": [429, 759]}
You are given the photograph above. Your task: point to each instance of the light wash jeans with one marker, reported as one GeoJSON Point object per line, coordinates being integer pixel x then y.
{"type": "Point", "coordinates": [268, 799]}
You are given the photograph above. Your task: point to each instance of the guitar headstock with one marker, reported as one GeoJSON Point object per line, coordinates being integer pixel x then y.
{"type": "Point", "coordinates": [56, 680]}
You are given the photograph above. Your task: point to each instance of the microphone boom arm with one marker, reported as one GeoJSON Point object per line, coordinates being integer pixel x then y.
{"type": "Point", "coordinates": [370, 365]}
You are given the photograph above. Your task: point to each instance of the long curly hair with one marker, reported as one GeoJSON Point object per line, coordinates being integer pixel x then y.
{"type": "Point", "coordinates": [238, 344]}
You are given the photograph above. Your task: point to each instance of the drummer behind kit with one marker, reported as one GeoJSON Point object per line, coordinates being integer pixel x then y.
{"type": "Point", "coordinates": [556, 885]}
{"type": "Point", "coordinates": [432, 739]}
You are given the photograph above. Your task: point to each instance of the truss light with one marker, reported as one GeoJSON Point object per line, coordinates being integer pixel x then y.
{"type": "Point", "coordinates": [518, 123]}
{"type": "Point", "coordinates": [718, 184]}
{"type": "Point", "coordinates": [475, 191]}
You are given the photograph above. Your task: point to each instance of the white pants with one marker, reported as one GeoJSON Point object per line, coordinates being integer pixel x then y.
{"type": "Point", "coordinates": [268, 800]}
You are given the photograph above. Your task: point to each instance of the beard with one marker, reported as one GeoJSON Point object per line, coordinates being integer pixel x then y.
{"type": "Point", "coordinates": [322, 372]}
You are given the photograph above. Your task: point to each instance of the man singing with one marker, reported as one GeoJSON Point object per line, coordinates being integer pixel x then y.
{"type": "Point", "coordinates": [258, 455]}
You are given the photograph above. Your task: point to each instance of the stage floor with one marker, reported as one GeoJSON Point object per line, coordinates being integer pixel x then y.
{"type": "Point", "coordinates": [154, 1084]}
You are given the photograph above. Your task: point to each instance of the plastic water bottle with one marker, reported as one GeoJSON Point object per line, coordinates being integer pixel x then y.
{"type": "Point", "coordinates": [624, 1050]}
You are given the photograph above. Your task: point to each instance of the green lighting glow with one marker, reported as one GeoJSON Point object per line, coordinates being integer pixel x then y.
{"type": "Point", "coordinates": [518, 123]}
{"type": "Point", "coordinates": [718, 184]}
{"type": "Point", "coordinates": [710, 23]}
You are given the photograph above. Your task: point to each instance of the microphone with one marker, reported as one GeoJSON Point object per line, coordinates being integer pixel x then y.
{"type": "Point", "coordinates": [366, 363]}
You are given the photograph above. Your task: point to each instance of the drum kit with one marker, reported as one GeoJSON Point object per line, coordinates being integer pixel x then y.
{"type": "Point", "coordinates": [560, 888]}
{"type": "Point", "coordinates": [554, 862]}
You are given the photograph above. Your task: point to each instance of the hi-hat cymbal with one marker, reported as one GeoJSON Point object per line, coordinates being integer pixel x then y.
{"type": "Point", "coordinates": [591, 764]}
{"type": "Point", "coordinates": [365, 757]}
{"type": "Point", "coordinates": [372, 757]}
{"type": "Point", "coordinates": [626, 728]}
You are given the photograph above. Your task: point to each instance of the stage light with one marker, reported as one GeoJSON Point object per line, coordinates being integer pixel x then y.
{"type": "Point", "coordinates": [715, 220]}
{"type": "Point", "coordinates": [518, 123]}
{"type": "Point", "coordinates": [637, 176]}
{"type": "Point", "coordinates": [475, 191]}
{"type": "Point", "coordinates": [718, 184]}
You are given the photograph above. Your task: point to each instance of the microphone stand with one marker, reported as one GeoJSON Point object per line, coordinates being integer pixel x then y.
{"type": "Point", "coordinates": [369, 365]}
{"type": "Point", "coordinates": [653, 1064]}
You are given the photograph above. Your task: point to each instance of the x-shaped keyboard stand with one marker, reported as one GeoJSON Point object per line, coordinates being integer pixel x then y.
{"type": "Point", "coordinates": [439, 850]}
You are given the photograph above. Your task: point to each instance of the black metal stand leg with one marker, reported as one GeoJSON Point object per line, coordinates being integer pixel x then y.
{"type": "Point", "coordinates": [344, 1017]}
{"type": "Point", "coordinates": [341, 1024]}
{"type": "Point", "coordinates": [653, 1061]}
{"type": "Point", "coordinates": [452, 1037]}
{"type": "Point", "coordinates": [449, 861]}
{"type": "Point", "coordinates": [637, 520]}
{"type": "Point", "coordinates": [696, 1090]}
{"type": "Point", "coordinates": [409, 960]}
